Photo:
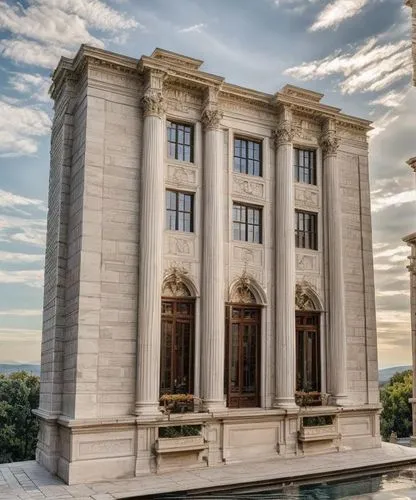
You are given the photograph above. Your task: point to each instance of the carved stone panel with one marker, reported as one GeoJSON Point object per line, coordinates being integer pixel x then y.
{"type": "Point", "coordinates": [243, 185]}
{"type": "Point", "coordinates": [179, 245]}
{"type": "Point", "coordinates": [182, 175]}
{"type": "Point", "coordinates": [307, 197]}
{"type": "Point", "coordinates": [307, 262]}
{"type": "Point", "coordinates": [248, 255]}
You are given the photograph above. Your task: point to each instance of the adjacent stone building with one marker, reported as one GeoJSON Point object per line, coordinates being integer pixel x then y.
{"type": "Point", "coordinates": [203, 239]}
{"type": "Point", "coordinates": [411, 241]}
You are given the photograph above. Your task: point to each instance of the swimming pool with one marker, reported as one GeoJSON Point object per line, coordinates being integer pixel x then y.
{"type": "Point", "coordinates": [398, 485]}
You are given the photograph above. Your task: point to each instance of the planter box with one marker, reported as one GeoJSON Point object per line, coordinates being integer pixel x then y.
{"type": "Point", "coordinates": [181, 452]}
{"type": "Point", "coordinates": [318, 433]}
{"type": "Point", "coordinates": [318, 439]}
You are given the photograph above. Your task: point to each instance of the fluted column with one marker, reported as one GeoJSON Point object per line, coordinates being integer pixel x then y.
{"type": "Point", "coordinates": [285, 265]}
{"type": "Point", "coordinates": [213, 307]}
{"type": "Point", "coordinates": [151, 241]}
{"type": "Point", "coordinates": [336, 338]}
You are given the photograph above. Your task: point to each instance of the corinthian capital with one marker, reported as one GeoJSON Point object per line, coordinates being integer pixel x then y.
{"type": "Point", "coordinates": [329, 143]}
{"type": "Point", "coordinates": [211, 118]}
{"type": "Point", "coordinates": [153, 103]}
{"type": "Point", "coordinates": [284, 133]}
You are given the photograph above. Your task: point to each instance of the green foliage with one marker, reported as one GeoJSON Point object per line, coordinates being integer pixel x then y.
{"type": "Point", "coordinates": [397, 411]}
{"type": "Point", "coordinates": [179, 431]}
{"type": "Point", "coordinates": [317, 421]}
{"type": "Point", "coordinates": [19, 395]}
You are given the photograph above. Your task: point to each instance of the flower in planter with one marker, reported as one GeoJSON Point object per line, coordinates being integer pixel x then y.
{"type": "Point", "coordinates": [308, 398]}
{"type": "Point", "coordinates": [178, 403]}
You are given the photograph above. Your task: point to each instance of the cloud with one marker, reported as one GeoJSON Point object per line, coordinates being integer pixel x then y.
{"type": "Point", "coordinates": [295, 6]}
{"type": "Point", "coordinates": [30, 52]}
{"type": "Point", "coordinates": [29, 277]}
{"type": "Point", "coordinates": [382, 202]}
{"type": "Point", "coordinates": [21, 312]}
{"type": "Point", "coordinates": [45, 30]}
{"type": "Point", "coordinates": [8, 199]}
{"type": "Point", "coordinates": [18, 229]}
{"type": "Point", "coordinates": [19, 126]}
{"type": "Point", "coordinates": [34, 85]}
{"type": "Point", "coordinates": [96, 13]}
{"type": "Point", "coordinates": [16, 257]}
{"type": "Point", "coordinates": [336, 12]}
{"type": "Point", "coordinates": [19, 334]}
{"type": "Point", "coordinates": [196, 28]}
{"type": "Point", "coordinates": [372, 66]}
{"type": "Point", "coordinates": [47, 24]}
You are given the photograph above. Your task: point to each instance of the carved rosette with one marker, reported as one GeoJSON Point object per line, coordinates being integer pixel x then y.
{"type": "Point", "coordinates": [153, 103]}
{"type": "Point", "coordinates": [284, 134]}
{"type": "Point", "coordinates": [329, 143]}
{"type": "Point", "coordinates": [211, 119]}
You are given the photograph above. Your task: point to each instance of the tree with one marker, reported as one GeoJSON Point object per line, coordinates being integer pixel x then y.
{"type": "Point", "coordinates": [19, 395]}
{"type": "Point", "coordinates": [396, 415]}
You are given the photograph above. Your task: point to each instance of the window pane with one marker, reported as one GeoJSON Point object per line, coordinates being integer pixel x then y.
{"type": "Point", "coordinates": [180, 141]}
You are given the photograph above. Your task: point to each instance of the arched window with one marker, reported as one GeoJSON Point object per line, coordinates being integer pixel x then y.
{"type": "Point", "coordinates": [308, 341]}
{"type": "Point", "coordinates": [243, 348]}
{"type": "Point", "coordinates": [177, 337]}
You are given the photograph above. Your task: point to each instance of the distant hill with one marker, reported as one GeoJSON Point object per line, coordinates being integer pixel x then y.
{"type": "Point", "coordinates": [385, 374]}
{"type": "Point", "coordinates": [15, 367]}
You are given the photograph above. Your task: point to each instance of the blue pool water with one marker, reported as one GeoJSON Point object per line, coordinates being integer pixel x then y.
{"type": "Point", "coordinates": [398, 485]}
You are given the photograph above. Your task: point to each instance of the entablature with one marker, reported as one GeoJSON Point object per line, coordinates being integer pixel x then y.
{"type": "Point", "coordinates": [184, 73]}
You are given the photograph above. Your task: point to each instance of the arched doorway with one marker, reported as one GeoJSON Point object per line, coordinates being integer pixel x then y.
{"type": "Point", "coordinates": [308, 341]}
{"type": "Point", "coordinates": [243, 349]}
{"type": "Point", "coordinates": [177, 337]}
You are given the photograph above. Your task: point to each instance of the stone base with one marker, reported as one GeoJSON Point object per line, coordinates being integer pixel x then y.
{"type": "Point", "coordinates": [102, 450]}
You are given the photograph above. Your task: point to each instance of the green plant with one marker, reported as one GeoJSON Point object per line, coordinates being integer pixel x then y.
{"type": "Point", "coordinates": [175, 431]}
{"type": "Point", "coordinates": [19, 395]}
{"type": "Point", "coordinates": [317, 421]}
{"type": "Point", "coordinates": [396, 415]}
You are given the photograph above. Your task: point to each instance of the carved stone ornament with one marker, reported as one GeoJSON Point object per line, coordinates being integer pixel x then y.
{"type": "Point", "coordinates": [303, 301]}
{"type": "Point", "coordinates": [211, 118]}
{"type": "Point", "coordinates": [153, 103]}
{"type": "Point", "coordinates": [329, 143]}
{"type": "Point", "coordinates": [284, 134]}
{"type": "Point", "coordinates": [174, 284]}
{"type": "Point", "coordinates": [241, 293]}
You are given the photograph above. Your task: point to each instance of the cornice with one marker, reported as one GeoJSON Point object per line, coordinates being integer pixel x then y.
{"type": "Point", "coordinates": [184, 71]}
{"type": "Point", "coordinates": [412, 163]}
{"type": "Point", "coordinates": [410, 239]}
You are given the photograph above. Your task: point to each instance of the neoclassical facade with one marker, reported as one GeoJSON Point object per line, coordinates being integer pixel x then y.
{"type": "Point", "coordinates": [203, 239]}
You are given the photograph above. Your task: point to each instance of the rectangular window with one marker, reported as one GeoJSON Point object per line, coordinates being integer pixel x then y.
{"type": "Point", "coordinates": [247, 223]}
{"type": "Point", "coordinates": [306, 234]}
{"type": "Point", "coordinates": [247, 157]}
{"type": "Point", "coordinates": [304, 161]}
{"type": "Point", "coordinates": [179, 211]}
{"type": "Point", "coordinates": [180, 141]}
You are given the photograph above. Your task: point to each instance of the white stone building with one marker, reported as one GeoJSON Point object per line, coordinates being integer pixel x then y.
{"type": "Point", "coordinates": [411, 241]}
{"type": "Point", "coordinates": [209, 239]}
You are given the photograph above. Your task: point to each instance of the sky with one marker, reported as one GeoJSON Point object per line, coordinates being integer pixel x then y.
{"type": "Point", "coordinates": [356, 52]}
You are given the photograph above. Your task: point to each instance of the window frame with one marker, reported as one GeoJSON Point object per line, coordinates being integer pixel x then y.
{"type": "Point", "coordinates": [309, 172]}
{"type": "Point", "coordinates": [248, 140]}
{"type": "Point", "coordinates": [305, 328]}
{"type": "Point", "coordinates": [236, 396]}
{"type": "Point", "coordinates": [304, 235]}
{"type": "Point", "coordinates": [177, 212]}
{"type": "Point", "coordinates": [177, 319]}
{"type": "Point", "coordinates": [191, 145]}
{"type": "Point", "coordinates": [246, 224]}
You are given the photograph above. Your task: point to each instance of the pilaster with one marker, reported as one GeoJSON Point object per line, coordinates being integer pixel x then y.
{"type": "Point", "coordinates": [213, 314]}
{"type": "Point", "coordinates": [285, 264]}
{"type": "Point", "coordinates": [336, 339]}
{"type": "Point", "coordinates": [151, 247]}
